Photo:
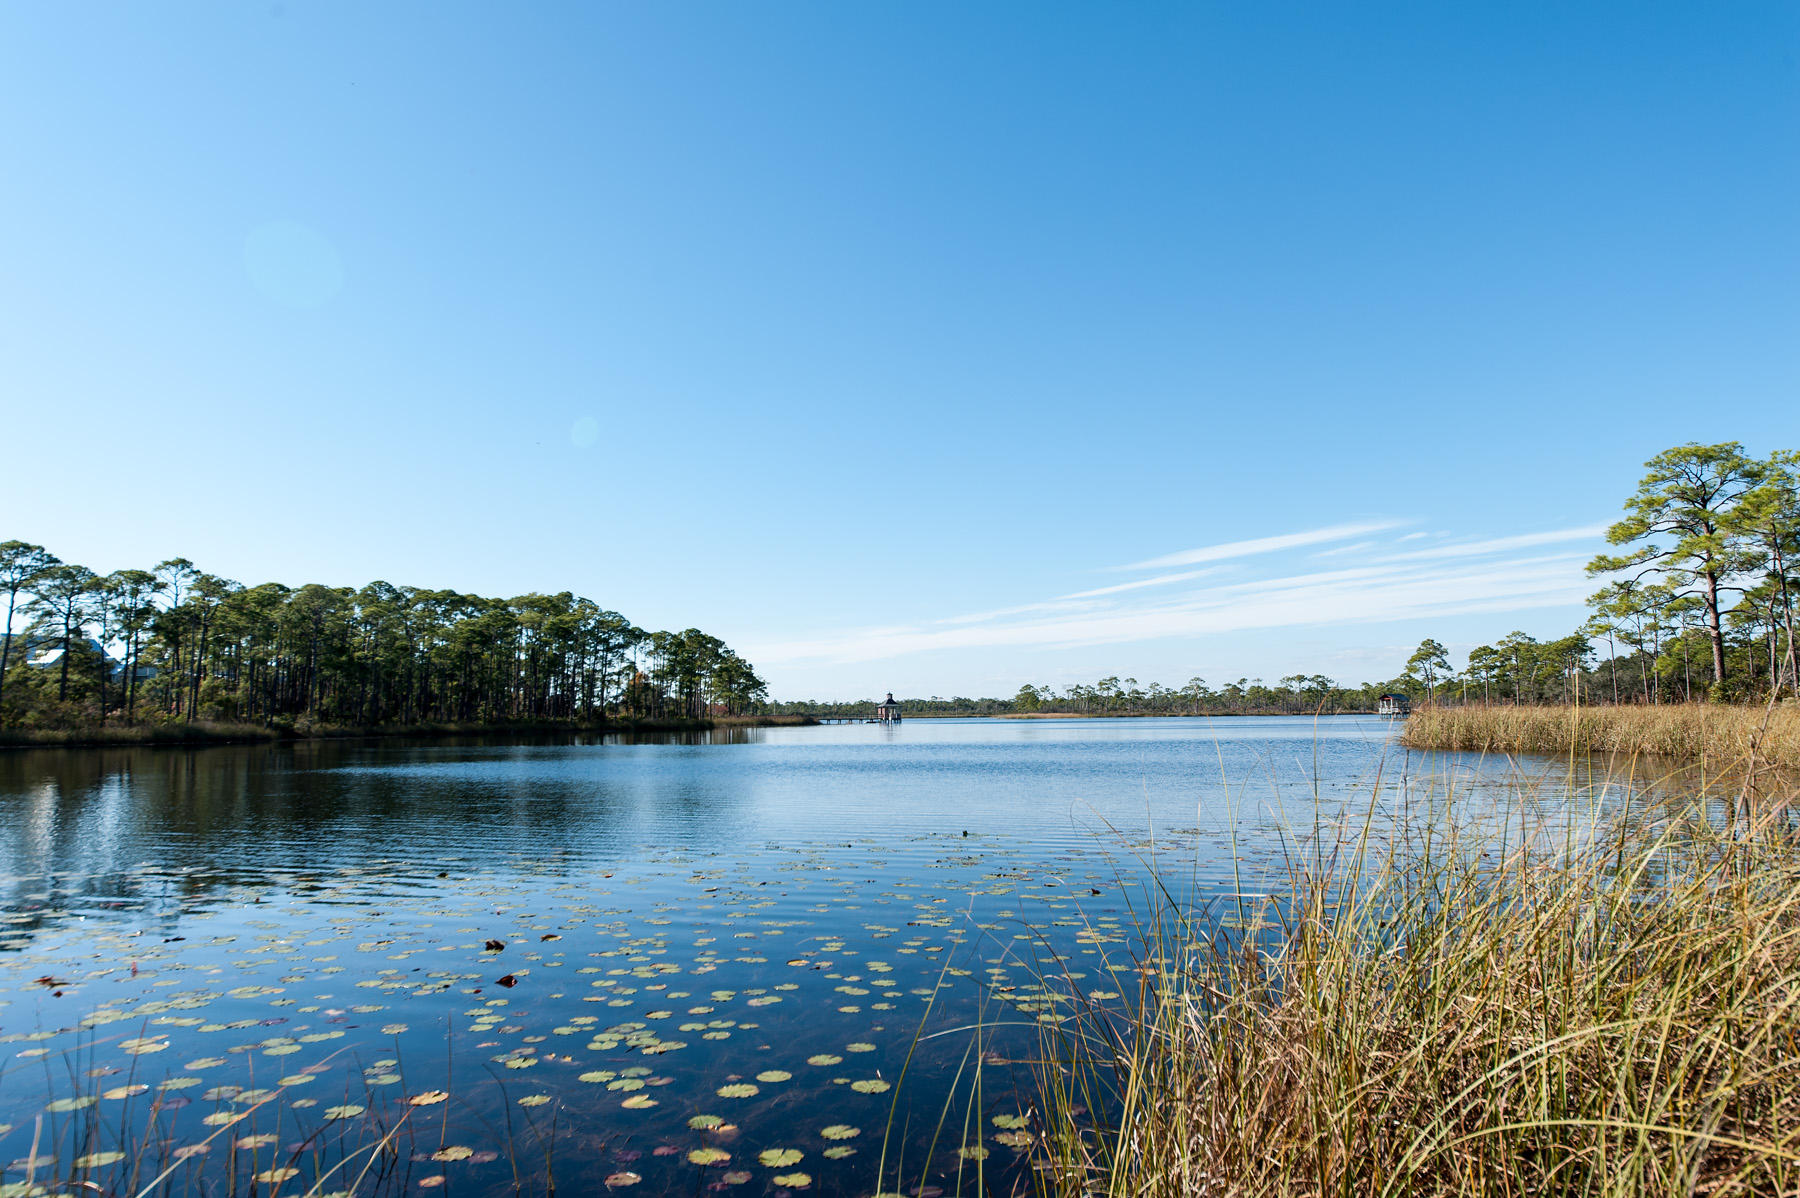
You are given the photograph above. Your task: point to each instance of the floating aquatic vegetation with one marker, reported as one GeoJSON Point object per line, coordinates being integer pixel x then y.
{"type": "Point", "coordinates": [673, 969]}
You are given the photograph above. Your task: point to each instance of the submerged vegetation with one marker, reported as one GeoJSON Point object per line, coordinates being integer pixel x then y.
{"type": "Point", "coordinates": [175, 644]}
{"type": "Point", "coordinates": [1605, 1011]}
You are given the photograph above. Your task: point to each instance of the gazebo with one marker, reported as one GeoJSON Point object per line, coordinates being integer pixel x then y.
{"type": "Point", "coordinates": [888, 711]}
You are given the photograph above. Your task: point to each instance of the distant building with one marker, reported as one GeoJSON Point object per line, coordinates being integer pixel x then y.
{"type": "Point", "coordinates": [46, 653]}
{"type": "Point", "coordinates": [888, 711]}
{"type": "Point", "coordinates": [1393, 705]}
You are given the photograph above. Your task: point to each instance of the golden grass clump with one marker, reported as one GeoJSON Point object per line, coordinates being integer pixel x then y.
{"type": "Point", "coordinates": [1616, 1019]}
{"type": "Point", "coordinates": [1721, 734]}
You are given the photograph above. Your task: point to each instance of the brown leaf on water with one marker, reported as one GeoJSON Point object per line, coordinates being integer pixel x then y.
{"type": "Point", "coordinates": [494, 946]}
{"type": "Point", "coordinates": [509, 981]}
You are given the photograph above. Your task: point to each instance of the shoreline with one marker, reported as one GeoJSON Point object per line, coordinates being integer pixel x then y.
{"type": "Point", "coordinates": [203, 734]}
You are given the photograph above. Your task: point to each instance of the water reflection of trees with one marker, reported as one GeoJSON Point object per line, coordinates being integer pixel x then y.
{"type": "Point", "coordinates": [161, 831]}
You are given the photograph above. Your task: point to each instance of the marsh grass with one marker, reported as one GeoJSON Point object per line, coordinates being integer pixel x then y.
{"type": "Point", "coordinates": [1528, 1006]}
{"type": "Point", "coordinates": [167, 733]}
{"type": "Point", "coordinates": [1723, 735]}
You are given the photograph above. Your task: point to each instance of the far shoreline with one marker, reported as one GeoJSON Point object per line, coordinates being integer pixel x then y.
{"type": "Point", "coordinates": [1116, 715]}
{"type": "Point", "coordinates": [204, 734]}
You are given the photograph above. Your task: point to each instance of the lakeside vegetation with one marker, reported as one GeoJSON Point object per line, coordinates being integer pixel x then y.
{"type": "Point", "coordinates": [1568, 1011]}
{"type": "Point", "coordinates": [1696, 621]}
{"type": "Point", "coordinates": [1723, 736]}
{"type": "Point", "coordinates": [209, 733]}
{"type": "Point", "coordinates": [174, 645]}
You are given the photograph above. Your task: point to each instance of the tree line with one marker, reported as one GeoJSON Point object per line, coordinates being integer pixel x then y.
{"type": "Point", "coordinates": [1296, 694]}
{"type": "Point", "coordinates": [177, 643]}
{"type": "Point", "coordinates": [1697, 600]}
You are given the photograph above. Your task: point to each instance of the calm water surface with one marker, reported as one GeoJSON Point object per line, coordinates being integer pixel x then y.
{"type": "Point", "coordinates": [717, 950]}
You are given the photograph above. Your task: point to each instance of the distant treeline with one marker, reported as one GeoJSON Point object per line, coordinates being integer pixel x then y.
{"type": "Point", "coordinates": [1294, 695]}
{"type": "Point", "coordinates": [175, 643]}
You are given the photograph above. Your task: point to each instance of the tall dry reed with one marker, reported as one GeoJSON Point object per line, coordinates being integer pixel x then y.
{"type": "Point", "coordinates": [1604, 1014]}
{"type": "Point", "coordinates": [1724, 735]}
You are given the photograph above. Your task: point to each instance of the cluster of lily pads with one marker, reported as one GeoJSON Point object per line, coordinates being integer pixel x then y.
{"type": "Point", "coordinates": [578, 990]}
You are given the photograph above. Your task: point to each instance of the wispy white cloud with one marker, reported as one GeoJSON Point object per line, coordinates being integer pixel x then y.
{"type": "Point", "coordinates": [1067, 603]}
{"type": "Point", "coordinates": [1530, 540]}
{"type": "Point", "coordinates": [1159, 580]}
{"type": "Point", "coordinates": [1351, 548]}
{"type": "Point", "coordinates": [1292, 540]}
{"type": "Point", "coordinates": [1362, 595]}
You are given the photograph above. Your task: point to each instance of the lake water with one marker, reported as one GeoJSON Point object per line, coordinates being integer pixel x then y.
{"type": "Point", "coordinates": [744, 961]}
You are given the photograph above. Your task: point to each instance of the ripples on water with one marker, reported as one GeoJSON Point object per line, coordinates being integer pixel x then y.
{"type": "Point", "coordinates": [718, 948]}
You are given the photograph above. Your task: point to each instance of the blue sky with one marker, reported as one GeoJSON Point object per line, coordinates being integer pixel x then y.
{"type": "Point", "coordinates": [922, 347]}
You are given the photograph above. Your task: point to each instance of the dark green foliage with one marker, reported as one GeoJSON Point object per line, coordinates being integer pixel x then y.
{"type": "Point", "coordinates": [180, 644]}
